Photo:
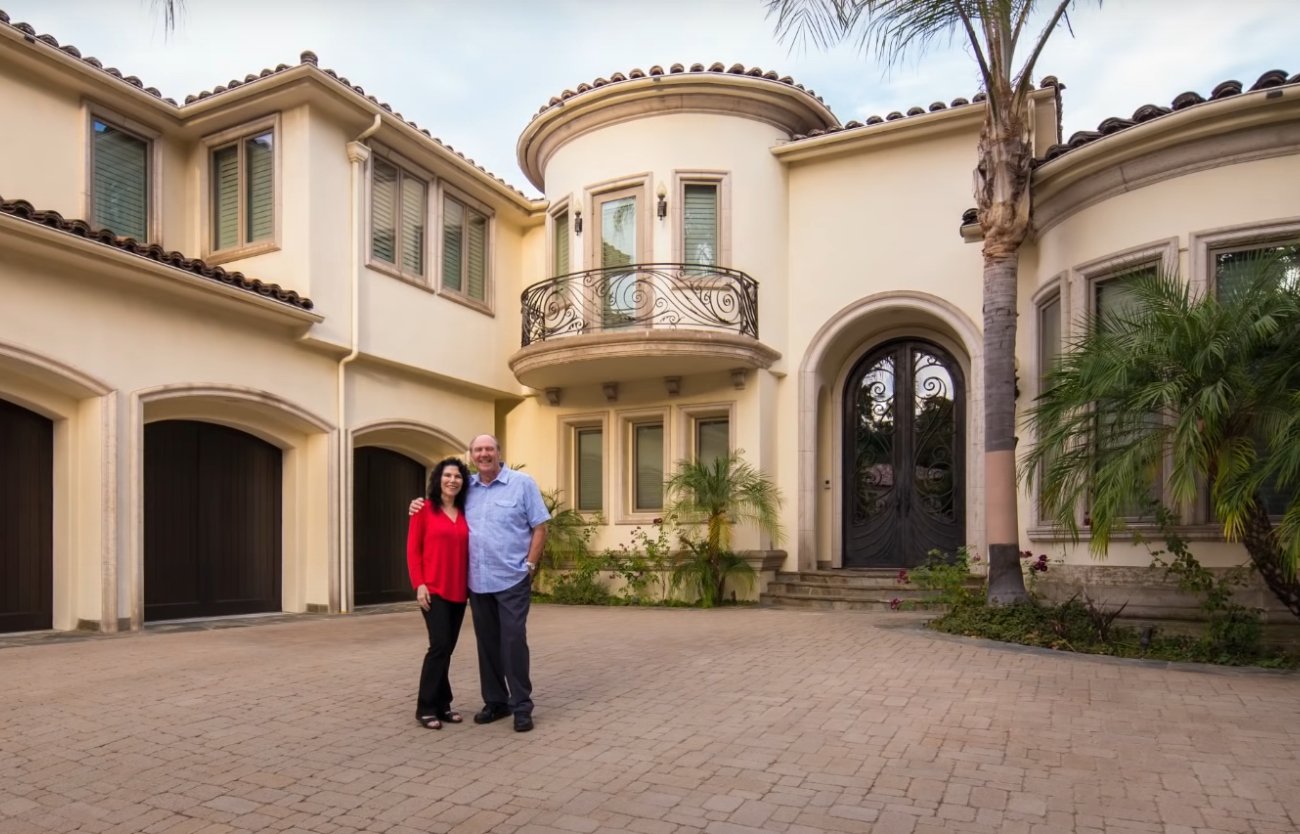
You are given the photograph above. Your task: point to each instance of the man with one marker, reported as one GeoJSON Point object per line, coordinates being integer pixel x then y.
{"type": "Point", "coordinates": [507, 521]}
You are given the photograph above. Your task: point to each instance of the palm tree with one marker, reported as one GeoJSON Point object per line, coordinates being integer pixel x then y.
{"type": "Point", "coordinates": [1209, 383]}
{"type": "Point", "coordinates": [994, 29]}
{"type": "Point", "coordinates": [719, 493]}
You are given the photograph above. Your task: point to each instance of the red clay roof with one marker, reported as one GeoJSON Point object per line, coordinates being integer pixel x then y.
{"type": "Point", "coordinates": [24, 210]}
{"type": "Point", "coordinates": [307, 57]}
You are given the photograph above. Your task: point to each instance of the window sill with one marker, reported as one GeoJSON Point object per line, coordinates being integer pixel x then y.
{"type": "Point", "coordinates": [465, 301]}
{"type": "Point", "coordinates": [1127, 534]}
{"type": "Point", "coordinates": [392, 272]}
{"type": "Point", "coordinates": [228, 255]}
{"type": "Point", "coordinates": [640, 519]}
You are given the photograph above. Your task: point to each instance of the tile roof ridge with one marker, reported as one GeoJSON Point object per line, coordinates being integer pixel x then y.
{"type": "Point", "coordinates": [23, 210]}
{"type": "Point", "coordinates": [310, 58]}
{"type": "Point", "coordinates": [1148, 112]}
{"type": "Point", "coordinates": [656, 71]}
{"type": "Point", "coordinates": [917, 110]}
{"type": "Point", "coordinates": [307, 57]}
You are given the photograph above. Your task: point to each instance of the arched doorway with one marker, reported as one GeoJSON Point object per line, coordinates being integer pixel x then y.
{"type": "Point", "coordinates": [904, 449]}
{"type": "Point", "coordinates": [384, 482]}
{"type": "Point", "coordinates": [26, 519]}
{"type": "Point", "coordinates": [212, 521]}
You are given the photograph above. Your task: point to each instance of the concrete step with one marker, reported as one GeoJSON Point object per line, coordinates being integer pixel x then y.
{"type": "Point", "coordinates": [870, 589]}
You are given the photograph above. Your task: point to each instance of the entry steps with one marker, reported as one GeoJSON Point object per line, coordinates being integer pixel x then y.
{"type": "Point", "coordinates": [870, 589]}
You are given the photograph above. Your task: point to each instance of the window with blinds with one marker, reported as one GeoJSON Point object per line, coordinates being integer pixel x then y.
{"type": "Point", "coordinates": [700, 224]}
{"type": "Point", "coordinates": [397, 218]}
{"type": "Point", "coordinates": [712, 439]}
{"type": "Point", "coordinates": [1049, 352]}
{"type": "Point", "coordinates": [560, 244]}
{"type": "Point", "coordinates": [464, 250]}
{"type": "Point", "coordinates": [648, 467]}
{"type": "Point", "coordinates": [243, 192]}
{"type": "Point", "coordinates": [119, 181]}
{"type": "Point", "coordinates": [589, 475]}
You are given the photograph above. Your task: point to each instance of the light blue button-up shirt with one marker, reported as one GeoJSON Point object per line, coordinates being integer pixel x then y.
{"type": "Point", "coordinates": [501, 518]}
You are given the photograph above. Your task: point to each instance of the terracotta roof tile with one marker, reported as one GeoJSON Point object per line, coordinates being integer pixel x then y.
{"type": "Point", "coordinates": [307, 57]}
{"type": "Point", "coordinates": [1147, 112]}
{"type": "Point", "coordinates": [717, 68]}
{"type": "Point", "coordinates": [912, 112]}
{"type": "Point", "coordinates": [24, 210]}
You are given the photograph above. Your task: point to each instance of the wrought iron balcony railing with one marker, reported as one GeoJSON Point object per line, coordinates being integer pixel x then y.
{"type": "Point", "coordinates": [689, 296]}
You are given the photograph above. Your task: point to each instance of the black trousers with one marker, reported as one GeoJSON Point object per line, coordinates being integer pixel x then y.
{"type": "Point", "coordinates": [501, 629]}
{"type": "Point", "coordinates": [442, 621]}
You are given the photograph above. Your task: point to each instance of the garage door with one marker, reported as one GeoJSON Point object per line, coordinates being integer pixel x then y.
{"type": "Point", "coordinates": [212, 514]}
{"type": "Point", "coordinates": [26, 519]}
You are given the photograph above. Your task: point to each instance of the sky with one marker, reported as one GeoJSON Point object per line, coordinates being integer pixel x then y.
{"type": "Point", "coordinates": [473, 72]}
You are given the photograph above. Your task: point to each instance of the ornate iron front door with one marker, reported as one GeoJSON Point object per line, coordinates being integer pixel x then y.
{"type": "Point", "coordinates": [903, 456]}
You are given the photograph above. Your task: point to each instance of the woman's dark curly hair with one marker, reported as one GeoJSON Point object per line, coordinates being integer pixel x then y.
{"type": "Point", "coordinates": [434, 491]}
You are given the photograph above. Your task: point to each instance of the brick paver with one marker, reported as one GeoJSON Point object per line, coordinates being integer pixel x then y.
{"type": "Point", "coordinates": [655, 721]}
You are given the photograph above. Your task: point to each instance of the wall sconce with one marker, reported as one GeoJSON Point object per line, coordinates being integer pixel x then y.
{"type": "Point", "coordinates": [663, 201]}
{"type": "Point", "coordinates": [575, 202]}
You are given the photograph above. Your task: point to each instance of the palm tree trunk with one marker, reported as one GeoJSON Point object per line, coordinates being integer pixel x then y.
{"type": "Point", "coordinates": [1002, 188]}
{"type": "Point", "coordinates": [1261, 543]}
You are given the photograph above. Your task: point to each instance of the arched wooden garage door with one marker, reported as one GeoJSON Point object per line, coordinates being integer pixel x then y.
{"type": "Point", "coordinates": [26, 519]}
{"type": "Point", "coordinates": [383, 483]}
{"type": "Point", "coordinates": [212, 511]}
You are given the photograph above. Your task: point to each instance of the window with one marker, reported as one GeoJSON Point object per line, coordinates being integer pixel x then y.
{"type": "Point", "coordinates": [700, 224]}
{"type": "Point", "coordinates": [119, 181]}
{"type": "Point", "coordinates": [589, 469]}
{"type": "Point", "coordinates": [712, 438]}
{"type": "Point", "coordinates": [1049, 352]}
{"type": "Point", "coordinates": [1113, 296]}
{"type": "Point", "coordinates": [560, 244]}
{"type": "Point", "coordinates": [464, 250]}
{"type": "Point", "coordinates": [397, 217]}
{"type": "Point", "coordinates": [648, 467]}
{"type": "Point", "coordinates": [1234, 269]}
{"type": "Point", "coordinates": [243, 191]}
{"type": "Point", "coordinates": [702, 213]}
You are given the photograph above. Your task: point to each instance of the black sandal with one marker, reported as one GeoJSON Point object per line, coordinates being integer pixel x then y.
{"type": "Point", "coordinates": [429, 722]}
{"type": "Point", "coordinates": [451, 717]}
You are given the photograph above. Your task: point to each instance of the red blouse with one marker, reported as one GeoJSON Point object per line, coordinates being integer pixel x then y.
{"type": "Point", "coordinates": [437, 553]}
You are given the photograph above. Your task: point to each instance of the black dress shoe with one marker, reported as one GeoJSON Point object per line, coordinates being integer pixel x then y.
{"type": "Point", "coordinates": [523, 722]}
{"type": "Point", "coordinates": [489, 714]}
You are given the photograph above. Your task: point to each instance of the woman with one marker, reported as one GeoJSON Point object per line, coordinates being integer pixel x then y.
{"type": "Point", "coordinates": [437, 555]}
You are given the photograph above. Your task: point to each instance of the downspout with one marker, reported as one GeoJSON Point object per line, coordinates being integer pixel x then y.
{"type": "Point", "coordinates": [358, 153]}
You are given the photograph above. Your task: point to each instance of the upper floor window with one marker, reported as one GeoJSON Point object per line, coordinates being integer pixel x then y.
{"type": "Point", "coordinates": [700, 224]}
{"type": "Point", "coordinates": [243, 191]}
{"type": "Point", "coordinates": [560, 243]}
{"type": "Point", "coordinates": [119, 180]}
{"type": "Point", "coordinates": [464, 250]}
{"type": "Point", "coordinates": [398, 202]}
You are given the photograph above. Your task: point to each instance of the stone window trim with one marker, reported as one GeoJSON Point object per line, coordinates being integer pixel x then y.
{"type": "Point", "coordinates": [563, 206]}
{"type": "Point", "coordinates": [622, 470]}
{"type": "Point", "coordinates": [570, 425]}
{"type": "Point", "coordinates": [1084, 279]}
{"type": "Point", "coordinates": [447, 191]}
{"type": "Point", "coordinates": [1031, 385]}
{"type": "Point", "coordinates": [210, 143]}
{"type": "Point", "coordinates": [94, 112]}
{"type": "Point", "coordinates": [689, 416]}
{"type": "Point", "coordinates": [409, 169]}
{"type": "Point", "coordinates": [1202, 245]}
{"type": "Point", "coordinates": [676, 210]}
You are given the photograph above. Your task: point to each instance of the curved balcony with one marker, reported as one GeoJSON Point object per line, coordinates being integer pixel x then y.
{"type": "Point", "coordinates": [639, 321]}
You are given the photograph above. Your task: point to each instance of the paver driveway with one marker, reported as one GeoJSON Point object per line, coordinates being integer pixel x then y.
{"type": "Point", "coordinates": [647, 720]}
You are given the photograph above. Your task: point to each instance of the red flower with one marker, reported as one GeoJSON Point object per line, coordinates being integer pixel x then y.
{"type": "Point", "coordinates": [895, 603]}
